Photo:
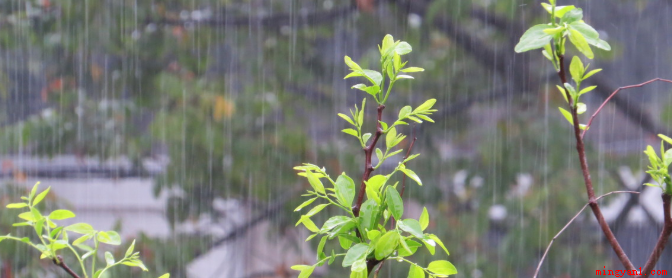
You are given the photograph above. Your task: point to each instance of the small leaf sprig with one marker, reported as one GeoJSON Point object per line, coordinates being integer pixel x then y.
{"type": "Point", "coordinates": [53, 239]}
{"type": "Point", "coordinates": [362, 232]}
{"type": "Point", "coordinates": [566, 22]}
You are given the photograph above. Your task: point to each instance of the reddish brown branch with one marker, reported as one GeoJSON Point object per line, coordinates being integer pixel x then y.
{"type": "Point", "coordinates": [662, 240]}
{"type": "Point", "coordinates": [590, 121]}
{"type": "Point", "coordinates": [536, 273]}
{"type": "Point", "coordinates": [592, 201]}
{"type": "Point", "coordinates": [59, 262]}
{"type": "Point", "coordinates": [368, 167]}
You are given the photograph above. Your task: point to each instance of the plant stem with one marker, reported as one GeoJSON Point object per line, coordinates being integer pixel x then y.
{"type": "Point", "coordinates": [662, 240]}
{"type": "Point", "coordinates": [536, 273]}
{"type": "Point", "coordinates": [368, 168]}
{"type": "Point", "coordinates": [59, 262]}
{"type": "Point", "coordinates": [592, 201]}
{"type": "Point", "coordinates": [590, 121]}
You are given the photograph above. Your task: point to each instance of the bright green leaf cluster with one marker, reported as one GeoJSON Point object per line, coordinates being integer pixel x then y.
{"type": "Point", "coordinates": [54, 238]}
{"type": "Point", "coordinates": [391, 65]}
{"type": "Point", "coordinates": [364, 235]}
{"type": "Point", "coordinates": [565, 22]}
{"type": "Point", "coordinates": [659, 165]}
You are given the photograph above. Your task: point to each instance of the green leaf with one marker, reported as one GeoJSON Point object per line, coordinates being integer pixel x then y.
{"type": "Point", "coordinates": [39, 226]}
{"type": "Point", "coordinates": [667, 158]}
{"type": "Point", "coordinates": [368, 214]}
{"type": "Point", "coordinates": [403, 48]}
{"type": "Point", "coordinates": [109, 258]}
{"type": "Point", "coordinates": [559, 10]}
{"type": "Point", "coordinates": [167, 275]}
{"type": "Point", "coordinates": [438, 241]}
{"type": "Point", "coordinates": [579, 41]}
{"type": "Point", "coordinates": [82, 239]}
{"type": "Point", "coordinates": [567, 115]}
{"type": "Point", "coordinates": [28, 216]}
{"type": "Point", "coordinates": [360, 116]}
{"type": "Point", "coordinates": [372, 194]}
{"type": "Point", "coordinates": [572, 16]}
{"type": "Point", "coordinates": [358, 267]}
{"type": "Point", "coordinates": [442, 267]}
{"type": "Point", "coordinates": [379, 155]}
{"type": "Point", "coordinates": [373, 76]}
{"type": "Point", "coordinates": [359, 274]}
{"type": "Point", "coordinates": [355, 253]}
{"type": "Point", "coordinates": [412, 69]}
{"type": "Point", "coordinates": [581, 108]}
{"type": "Point", "coordinates": [320, 246]}
{"type": "Point", "coordinates": [590, 34]}
{"type": "Point", "coordinates": [17, 205]}
{"type": "Point", "coordinates": [424, 219]}
{"type": "Point", "coordinates": [404, 112]}
{"type": "Point", "coordinates": [411, 226]}
{"type": "Point", "coordinates": [430, 244]}
{"type": "Point", "coordinates": [412, 246]}
{"type": "Point", "coordinates": [425, 106]}
{"type": "Point", "coordinates": [394, 202]}
{"type": "Point", "coordinates": [95, 275]}
{"type": "Point", "coordinates": [334, 222]}
{"type": "Point", "coordinates": [310, 225]}
{"type": "Point", "coordinates": [372, 90]}
{"type": "Point", "coordinates": [316, 209]}
{"type": "Point", "coordinates": [347, 119]}
{"type": "Point", "coordinates": [373, 234]}
{"type": "Point", "coordinates": [653, 157]}
{"type": "Point", "coordinates": [354, 66]}
{"type": "Point", "coordinates": [61, 214]}
{"type": "Point", "coordinates": [388, 41]}
{"type": "Point", "coordinates": [587, 89]}
{"type": "Point", "coordinates": [345, 190]}
{"type": "Point", "coordinates": [416, 272]}
{"type": "Point", "coordinates": [344, 242]}
{"type": "Point", "coordinates": [306, 203]}
{"type": "Point", "coordinates": [534, 38]}
{"type": "Point", "coordinates": [305, 273]}
{"type": "Point", "coordinates": [114, 238]}
{"type": "Point", "coordinates": [129, 251]}
{"type": "Point", "coordinates": [33, 191]}
{"type": "Point", "coordinates": [404, 76]}
{"type": "Point", "coordinates": [315, 182]}
{"type": "Point", "coordinates": [412, 175]}
{"type": "Point", "coordinates": [365, 137]}
{"type": "Point", "coordinates": [665, 138]}
{"type": "Point", "coordinates": [351, 132]}
{"type": "Point", "coordinates": [576, 69]}
{"type": "Point", "coordinates": [562, 92]}
{"type": "Point", "coordinates": [386, 244]}
{"type": "Point", "coordinates": [41, 196]}
{"type": "Point", "coordinates": [391, 138]}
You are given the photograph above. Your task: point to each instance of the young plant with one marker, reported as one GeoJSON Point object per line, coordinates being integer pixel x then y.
{"type": "Point", "coordinates": [565, 23]}
{"type": "Point", "coordinates": [363, 230]}
{"type": "Point", "coordinates": [53, 239]}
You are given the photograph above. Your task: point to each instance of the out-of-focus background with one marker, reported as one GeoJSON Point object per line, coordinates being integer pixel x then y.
{"type": "Point", "coordinates": [178, 123]}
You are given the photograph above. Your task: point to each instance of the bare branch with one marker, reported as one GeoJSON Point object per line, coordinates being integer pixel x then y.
{"type": "Point", "coordinates": [570, 222]}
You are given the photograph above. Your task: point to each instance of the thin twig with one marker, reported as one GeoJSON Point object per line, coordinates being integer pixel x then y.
{"type": "Point", "coordinates": [590, 121]}
{"type": "Point", "coordinates": [570, 222]}
{"type": "Point", "coordinates": [378, 269]}
{"type": "Point", "coordinates": [59, 262]}
{"type": "Point", "coordinates": [662, 240]}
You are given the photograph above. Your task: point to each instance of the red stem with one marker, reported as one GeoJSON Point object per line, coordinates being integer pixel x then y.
{"type": "Point", "coordinates": [61, 263]}
{"type": "Point", "coordinates": [590, 121]}
{"type": "Point", "coordinates": [368, 167]}
{"type": "Point", "coordinates": [592, 201]}
{"type": "Point", "coordinates": [662, 240]}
